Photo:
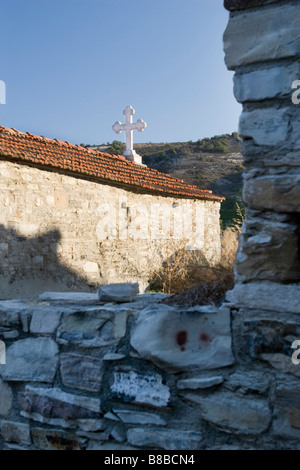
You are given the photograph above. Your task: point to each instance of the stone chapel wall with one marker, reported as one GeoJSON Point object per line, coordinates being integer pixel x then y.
{"type": "Point", "coordinates": [59, 232]}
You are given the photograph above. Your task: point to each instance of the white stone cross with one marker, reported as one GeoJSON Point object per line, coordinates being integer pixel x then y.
{"type": "Point", "coordinates": [129, 126]}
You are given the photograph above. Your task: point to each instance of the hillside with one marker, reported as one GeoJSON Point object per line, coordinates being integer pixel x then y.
{"type": "Point", "coordinates": [214, 163]}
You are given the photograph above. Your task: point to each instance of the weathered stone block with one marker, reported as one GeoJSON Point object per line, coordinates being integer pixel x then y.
{"type": "Point", "coordinates": [270, 296]}
{"type": "Point", "coordinates": [280, 193]}
{"type": "Point", "coordinates": [55, 439]}
{"type": "Point", "coordinates": [32, 359]}
{"type": "Point", "coordinates": [266, 126]}
{"type": "Point", "coordinates": [169, 439]}
{"type": "Point", "coordinates": [250, 416]}
{"type": "Point", "coordinates": [197, 337]}
{"type": "Point", "coordinates": [269, 251]}
{"type": "Point", "coordinates": [286, 421]}
{"type": "Point", "coordinates": [283, 363]}
{"type": "Point", "coordinates": [5, 398]}
{"type": "Point", "coordinates": [265, 83]}
{"type": "Point", "coordinates": [81, 371]}
{"type": "Point", "coordinates": [13, 431]}
{"type": "Point", "coordinates": [123, 292]}
{"type": "Point", "coordinates": [262, 35]}
{"type": "Point", "coordinates": [246, 381]}
{"type": "Point", "coordinates": [44, 322]}
{"type": "Point", "coordinates": [136, 387]}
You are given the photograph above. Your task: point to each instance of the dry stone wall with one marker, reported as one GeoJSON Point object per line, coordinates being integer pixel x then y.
{"type": "Point", "coordinates": [59, 232]}
{"type": "Point", "coordinates": [129, 372]}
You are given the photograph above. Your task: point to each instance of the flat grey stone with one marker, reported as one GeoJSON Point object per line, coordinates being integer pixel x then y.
{"type": "Point", "coordinates": [45, 322]}
{"type": "Point", "coordinates": [182, 339]}
{"type": "Point", "coordinates": [237, 415]}
{"type": "Point", "coordinates": [168, 439]}
{"type": "Point", "coordinates": [32, 359]}
{"type": "Point", "coordinates": [56, 439]}
{"type": "Point", "coordinates": [122, 292]}
{"type": "Point", "coordinates": [6, 398]}
{"type": "Point", "coordinates": [245, 381]}
{"type": "Point", "coordinates": [200, 383]}
{"type": "Point", "coordinates": [282, 363]}
{"type": "Point", "coordinates": [140, 388]}
{"type": "Point", "coordinates": [69, 296]}
{"type": "Point", "coordinates": [266, 295]}
{"type": "Point", "coordinates": [139, 417]}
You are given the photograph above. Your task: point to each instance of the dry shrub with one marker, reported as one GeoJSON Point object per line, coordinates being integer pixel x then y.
{"type": "Point", "coordinates": [188, 276]}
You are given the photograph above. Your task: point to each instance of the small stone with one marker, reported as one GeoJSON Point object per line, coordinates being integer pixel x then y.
{"type": "Point", "coordinates": [200, 383]}
{"type": "Point", "coordinates": [249, 38]}
{"type": "Point", "coordinates": [113, 357]}
{"type": "Point", "coordinates": [245, 381]}
{"type": "Point", "coordinates": [286, 421]}
{"type": "Point", "coordinates": [270, 296]}
{"type": "Point", "coordinates": [139, 417]}
{"type": "Point", "coordinates": [6, 398]}
{"type": "Point", "coordinates": [18, 433]}
{"type": "Point", "coordinates": [140, 388]}
{"type": "Point", "coordinates": [282, 363]}
{"type": "Point", "coordinates": [123, 292]}
{"type": "Point", "coordinates": [32, 359]}
{"type": "Point", "coordinates": [168, 439]}
{"type": "Point", "coordinates": [265, 126]}
{"type": "Point", "coordinates": [55, 439]}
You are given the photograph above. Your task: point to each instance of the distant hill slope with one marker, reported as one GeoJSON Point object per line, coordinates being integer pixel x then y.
{"type": "Point", "coordinates": [213, 163]}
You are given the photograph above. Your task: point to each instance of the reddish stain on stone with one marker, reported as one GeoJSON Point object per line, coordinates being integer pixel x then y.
{"type": "Point", "coordinates": [181, 339]}
{"type": "Point", "coordinates": [204, 337]}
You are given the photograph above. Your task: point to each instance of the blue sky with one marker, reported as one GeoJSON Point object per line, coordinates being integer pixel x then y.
{"type": "Point", "coordinates": [72, 66]}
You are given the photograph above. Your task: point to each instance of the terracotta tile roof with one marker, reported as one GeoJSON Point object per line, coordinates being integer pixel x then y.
{"type": "Point", "coordinates": [111, 169]}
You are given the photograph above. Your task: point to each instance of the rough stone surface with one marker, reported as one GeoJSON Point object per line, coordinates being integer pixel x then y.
{"type": "Point", "coordinates": [265, 126]}
{"type": "Point", "coordinates": [246, 381]}
{"type": "Point", "coordinates": [81, 371]}
{"type": "Point", "coordinates": [267, 83]}
{"type": "Point", "coordinates": [170, 439]}
{"type": "Point", "coordinates": [278, 30]}
{"type": "Point", "coordinates": [44, 322]}
{"type": "Point", "coordinates": [31, 359]}
{"type": "Point", "coordinates": [277, 192]}
{"type": "Point", "coordinates": [282, 363]}
{"type": "Point", "coordinates": [233, 414]}
{"type": "Point", "coordinates": [182, 339]}
{"type": "Point", "coordinates": [55, 439]}
{"type": "Point", "coordinates": [285, 297]}
{"type": "Point", "coordinates": [287, 411]}
{"type": "Point", "coordinates": [6, 399]}
{"type": "Point", "coordinates": [140, 388]}
{"type": "Point", "coordinates": [268, 251]}
{"type": "Point", "coordinates": [13, 431]}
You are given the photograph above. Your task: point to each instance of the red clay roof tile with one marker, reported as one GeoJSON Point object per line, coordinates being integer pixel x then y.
{"type": "Point", "coordinates": [114, 169]}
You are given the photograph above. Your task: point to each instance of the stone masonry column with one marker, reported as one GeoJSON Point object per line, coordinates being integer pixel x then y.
{"type": "Point", "coordinates": [262, 46]}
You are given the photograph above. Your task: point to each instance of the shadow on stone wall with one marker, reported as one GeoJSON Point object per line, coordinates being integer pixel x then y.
{"type": "Point", "coordinates": [30, 265]}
